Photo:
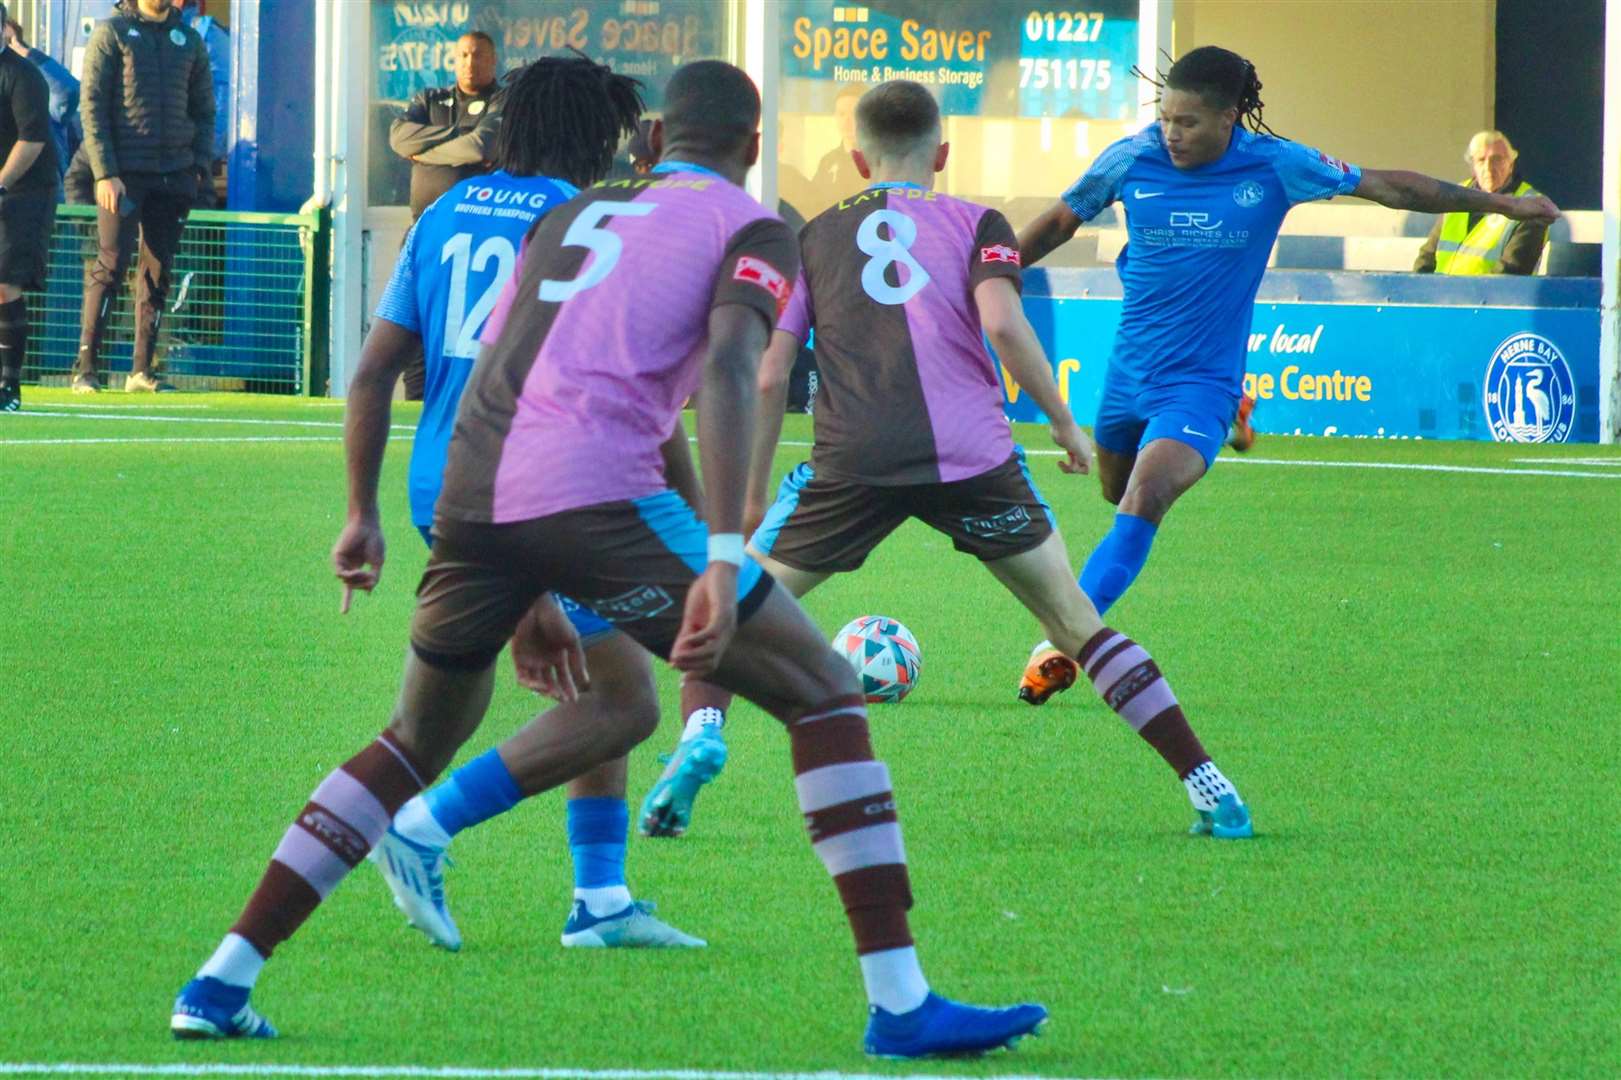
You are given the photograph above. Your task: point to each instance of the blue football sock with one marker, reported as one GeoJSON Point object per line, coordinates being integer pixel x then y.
{"type": "Point", "coordinates": [597, 831]}
{"type": "Point", "coordinates": [1115, 563]}
{"type": "Point", "coordinates": [473, 793]}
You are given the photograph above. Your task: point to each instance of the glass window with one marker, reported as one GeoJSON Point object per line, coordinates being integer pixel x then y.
{"type": "Point", "coordinates": [1030, 93]}
{"type": "Point", "coordinates": [414, 49]}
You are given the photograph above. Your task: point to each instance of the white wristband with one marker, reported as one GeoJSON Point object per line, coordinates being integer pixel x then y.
{"type": "Point", "coordinates": [726, 547]}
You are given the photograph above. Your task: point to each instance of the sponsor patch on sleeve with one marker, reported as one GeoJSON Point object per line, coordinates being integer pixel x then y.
{"type": "Point", "coordinates": [999, 253]}
{"type": "Point", "coordinates": [759, 272]}
{"type": "Point", "coordinates": [1334, 163]}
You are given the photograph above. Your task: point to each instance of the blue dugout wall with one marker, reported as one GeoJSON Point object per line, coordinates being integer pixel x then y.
{"type": "Point", "coordinates": [1396, 356]}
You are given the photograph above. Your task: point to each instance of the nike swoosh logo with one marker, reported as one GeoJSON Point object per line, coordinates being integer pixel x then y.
{"type": "Point", "coordinates": [1140, 194]}
{"type": "Point", "coordinates": [1189, 431]}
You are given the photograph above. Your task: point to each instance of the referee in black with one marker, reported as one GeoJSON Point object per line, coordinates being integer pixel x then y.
{"type": "Point", "coordinates": [28, 182]}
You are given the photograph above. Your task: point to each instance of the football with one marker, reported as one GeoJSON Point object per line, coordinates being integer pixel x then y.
{"type": "Point", "coordinates": [884, 654]}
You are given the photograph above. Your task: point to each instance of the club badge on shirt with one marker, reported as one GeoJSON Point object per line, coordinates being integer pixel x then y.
{"type": "Point", "coordinates": [998, 253]}
{"type": "Point", "coordinates": [177, 36]}
{"type": "Point", "coordinates": [475, 107]}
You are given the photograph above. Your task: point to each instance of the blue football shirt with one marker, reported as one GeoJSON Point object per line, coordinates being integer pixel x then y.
{"type": "Point", "coordinates": [1198, 243]}
{"type": "Point", "coordinates": [455, 261]}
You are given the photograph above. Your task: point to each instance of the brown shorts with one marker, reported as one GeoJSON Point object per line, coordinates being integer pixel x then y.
{"type": "Point", "coordinates": [822, 525]}
{"type": "Point", "coordinates": [629, 562]}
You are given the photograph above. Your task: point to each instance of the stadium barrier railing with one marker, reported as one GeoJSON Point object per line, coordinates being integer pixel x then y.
{"type": "Point", "coordinates": [246, 306]}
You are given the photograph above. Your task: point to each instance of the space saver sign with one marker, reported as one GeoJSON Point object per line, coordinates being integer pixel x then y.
{"type": "Point", "coordinates": [1372, 371]}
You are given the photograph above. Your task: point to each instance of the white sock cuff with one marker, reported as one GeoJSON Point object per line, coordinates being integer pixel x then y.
{"type": "Point", "coordinates": [236, 962]}
{"type": "Point", "coordinates": [604, 900]}
{"type": "Point", "coordinates": [894, 979]}
{"type": "Point", "coordinates": [416, 822]}
{"type": "Point", "coordinates": [708, 716]}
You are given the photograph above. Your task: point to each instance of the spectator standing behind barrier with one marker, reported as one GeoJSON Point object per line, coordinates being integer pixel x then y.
{"type": "Point", "coordinates": [148, 112]}
{"type": "Point", "coordinates": [28, 183]}
{"type": "Point", "coordinates": [66, 132]}
{"type": "Point", "coordinates": [1473, 243]}
{"type": "Point", "coordinates": [217, 42]}
{"type": "Point", "coordinates": [448, 133]}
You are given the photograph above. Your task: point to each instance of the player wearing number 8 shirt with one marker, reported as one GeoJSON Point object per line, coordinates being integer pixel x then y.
{"type": "Point", "coordinates": [902, 285]}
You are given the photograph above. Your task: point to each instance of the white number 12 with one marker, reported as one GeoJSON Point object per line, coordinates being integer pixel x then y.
{"type": "Point", "coordinates": [462, 326]}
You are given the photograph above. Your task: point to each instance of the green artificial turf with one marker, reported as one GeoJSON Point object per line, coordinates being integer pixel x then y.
{"type": "Point", "coordinates": [1411, 675]}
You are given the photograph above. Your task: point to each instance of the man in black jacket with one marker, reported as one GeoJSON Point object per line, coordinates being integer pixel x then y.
{"type": "Point", "coordinates": [448, 133]}
{"type": "Point", "coordinates": [148, 109]}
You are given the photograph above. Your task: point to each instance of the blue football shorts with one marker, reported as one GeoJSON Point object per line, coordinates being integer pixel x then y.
{"type": "Point", "coordinates": [1131, 416]}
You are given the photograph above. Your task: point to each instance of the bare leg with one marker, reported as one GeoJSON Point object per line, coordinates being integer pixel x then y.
{"type": "Point", "coordinates": [585, 742]}
{"type": "Point", "coordinates": [1164, 471]}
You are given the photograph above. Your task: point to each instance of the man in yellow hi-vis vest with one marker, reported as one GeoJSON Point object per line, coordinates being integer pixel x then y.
{"type": "Point", "coordinates": [1472, 243]}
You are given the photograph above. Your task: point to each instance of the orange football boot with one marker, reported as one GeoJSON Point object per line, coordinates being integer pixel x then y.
{"type": "Point", "coordinates": [1241, 436]}
{"type": "Point", "coordinates": [1049, 672]}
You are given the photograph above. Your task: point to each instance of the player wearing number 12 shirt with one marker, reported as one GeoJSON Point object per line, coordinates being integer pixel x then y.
{"type": "Point", "coordinates": [902, 285]}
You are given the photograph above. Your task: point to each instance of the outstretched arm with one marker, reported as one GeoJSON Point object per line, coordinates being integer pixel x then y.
{"type": "Point", "coordinates": [1047, 233]}
{"type": "Point", "coordinates": [1401, 190]}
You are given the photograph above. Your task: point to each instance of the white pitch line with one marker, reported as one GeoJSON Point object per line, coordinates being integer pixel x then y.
{"type": "Point", "coordinates": [41, 414]}
{"type": "Point", "coordinates": [1407, 465]}
{"type": "Point", "coordinates": [1608, 463]}
{"type": "Point", "coordinates": [1413, 466]}
{"type": "Point", "coordinates": [458, 1071]}
{"type": "Point", "coordinates": [116, 405]}
{"type": "Point", "coordinates": [200, 439]}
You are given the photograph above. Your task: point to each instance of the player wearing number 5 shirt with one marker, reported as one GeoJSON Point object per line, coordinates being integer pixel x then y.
{"type": "Point", "coordinates": [1204, 199]}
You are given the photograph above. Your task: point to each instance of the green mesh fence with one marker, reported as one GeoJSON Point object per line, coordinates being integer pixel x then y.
{"type": "Point", "coordinates": [239, 315]}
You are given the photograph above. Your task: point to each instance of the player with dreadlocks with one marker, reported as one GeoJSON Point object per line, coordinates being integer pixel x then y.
{"type": "Point", "coordinates": [564, 117]}
{"type": "Point", "coordinates": [563, 120]}
{"type": "Point", "coordinates": [1204, 192]}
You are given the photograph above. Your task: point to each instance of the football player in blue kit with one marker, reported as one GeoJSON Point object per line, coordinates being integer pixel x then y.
{"type": "Point", "coordinates": [563, 121]}
{"type": "Point", "coordinates": [1204, 192]}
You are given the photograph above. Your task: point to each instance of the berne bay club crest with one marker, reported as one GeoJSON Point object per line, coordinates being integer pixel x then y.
{"type": "Point", "coordinates": [1530, 396]}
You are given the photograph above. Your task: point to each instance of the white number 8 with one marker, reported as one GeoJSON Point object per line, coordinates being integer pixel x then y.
{"type": "Point", "coordinates": [584, 231]}
{"type": "Point", "coordinates": [894, 251]}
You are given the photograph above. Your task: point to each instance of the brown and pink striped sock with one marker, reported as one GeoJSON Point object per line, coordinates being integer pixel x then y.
{"type": "Point", "coordinates": [850, 814]}
{"type": "Point", "coordinates": [1130, 683]}
{"type": "Point", "coordinates": [849, 810]}
{"type": "Point", "coordinates": [345, 816]}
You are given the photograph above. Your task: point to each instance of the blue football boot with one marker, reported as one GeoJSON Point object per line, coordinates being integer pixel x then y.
{"type": "Point", "coordinates": [943, 1027]}
{"type": "Point", "coordinates": [210, 1009]}
{"type": "Point", "coordinates": [667, 810]}
{"type": "Point", "coordinates": [1230, 820]}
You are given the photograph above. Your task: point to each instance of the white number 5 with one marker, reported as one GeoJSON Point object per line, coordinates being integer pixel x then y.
{"type": "Point", "coordinates": [606, 247]}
